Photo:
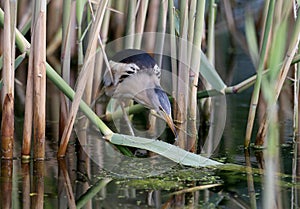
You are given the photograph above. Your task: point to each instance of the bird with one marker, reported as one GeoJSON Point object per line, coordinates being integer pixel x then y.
{"type": "Point", "coordinates": [135, 75]}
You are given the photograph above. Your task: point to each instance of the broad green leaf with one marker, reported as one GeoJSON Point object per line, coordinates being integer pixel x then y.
{"type": "Point", "coordinates": [208, 71]}
{"type": "Point", "coordinates": [164, 149]}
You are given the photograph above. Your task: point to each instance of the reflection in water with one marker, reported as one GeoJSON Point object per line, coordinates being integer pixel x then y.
{"type": "Point", "coordinates": [6, 183]}
{"type": "Point", "coordinates": [38, 184]}
{"type": "Point", "coordinates": [107, 179]}
{"type": "Point", "coordinates": [26, 185]}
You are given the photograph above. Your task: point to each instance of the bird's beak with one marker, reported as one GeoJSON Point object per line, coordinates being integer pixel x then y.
{"type": "Point", "coordinates": [170, 123]}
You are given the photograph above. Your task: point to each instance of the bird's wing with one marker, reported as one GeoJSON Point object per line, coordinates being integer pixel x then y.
{"type": "Point", "coordinates": [120, 71]}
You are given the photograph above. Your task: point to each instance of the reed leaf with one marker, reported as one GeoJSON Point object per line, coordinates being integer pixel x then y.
{"type": "Point", "coordinates": [91, 192]}
{"type": "Point", "coordinates": [169, 151]}
{"type": "Point", "coordinates": [209, 72]}
{"type": "Point", "coordinates": [251, 39]}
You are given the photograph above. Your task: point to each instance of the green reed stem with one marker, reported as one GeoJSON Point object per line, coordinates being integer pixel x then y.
{"type": "Point", "coordinates": [256, 91]}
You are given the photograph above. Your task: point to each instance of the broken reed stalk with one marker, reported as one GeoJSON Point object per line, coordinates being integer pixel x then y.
{"type": "Point", "coordinates": [7, 123]}
{"type": "Point", "coordinates": [39, 77]}
{"type": "Point", "coordinates": [194, 74]}
{"type": "Point", "coordinates": [83, 77]}
{"type": "Point", "coordinates": [183, 77]}
{"type": "Point", "coordinates": [256, 91]}
{"type": "Point", "coordinates": [293, 46]}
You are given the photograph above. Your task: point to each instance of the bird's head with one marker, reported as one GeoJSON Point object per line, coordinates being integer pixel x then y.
{"type": "Point", "coordinates": [164, 108]}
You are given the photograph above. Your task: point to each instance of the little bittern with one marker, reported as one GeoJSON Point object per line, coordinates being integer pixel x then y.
{"type": "Point", "coordinates": [135, 75]}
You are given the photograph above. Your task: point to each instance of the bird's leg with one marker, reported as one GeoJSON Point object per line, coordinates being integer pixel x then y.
{"type": "Point", "coordinates": [152, 123]}
{"type": "Point", "coordinates": [126, 118]}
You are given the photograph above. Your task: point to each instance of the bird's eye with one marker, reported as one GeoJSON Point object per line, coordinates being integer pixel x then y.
{"type": "Point", "coordinates": [160, 108]}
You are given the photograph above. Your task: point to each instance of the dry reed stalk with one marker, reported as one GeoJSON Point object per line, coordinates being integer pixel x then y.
{"type": "Point", "coordinates": [118, 22]}
{"type": "Point", "coordinates": [191, 21]}
{"type": "Point", "coordinates": [7, 123]}
{"type": "Point", "coordinates": [194, 75]}
{"type": "Point", "coordinates": [140, 23]}
{"type": "Point", "coordinates": [161, 29]}
{"type": "Point", "coordinates": [54, 14]}
{"type": "Point", "coordinates": [88, 90]}
{"type": "Point", "coordinates": [151, 25]}
{"type": "Point", "coordinates": [67, 25]}
{"type": "Point", "coordinates": [183, 77]}
{"type": "Point", "coordinates": [83, 77]}
{"type": "Point", "coordinates": [67, 30]}
{"type": "Point", "coordinates": [296, 91]}
{"type": "Point", "coordinates": [208, 110]}
{"type": "Point", "coordinates": [173, 52]}
{"type": "Point", "coordinates": [195, 37]}
{"type": "Point", "coordinates": [99, 68]}
{"type": "Point", "coordinates": [39, 77]}
{"type": "Point", "coordinates": [28, 117]}
{"type": "Point", "coordinates": [296, 104]}
{"type": "Point", "coordinates": [130, 24]}
{"type": "Point", "coordinates": [54, 40]}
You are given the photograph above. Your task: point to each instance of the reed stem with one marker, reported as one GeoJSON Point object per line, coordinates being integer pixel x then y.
{"type": "Point", "coordinates": [194, 73]}
{"type": "Point", "coordinates": [7, 123]}
{"type": "Point", "coordinates": [130, 25]}
{"type": "Point", "coordinates": [39, 77]}
{"type": "Point", "coordinates": [256, 91]}
{"type": "Point", "coordinates": [140, 23]}
{"type": "Point", "coordinates": [183, 77]}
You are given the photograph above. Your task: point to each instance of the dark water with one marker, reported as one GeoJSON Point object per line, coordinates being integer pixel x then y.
{"type": "Point", "coordinates": [98, 176]}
